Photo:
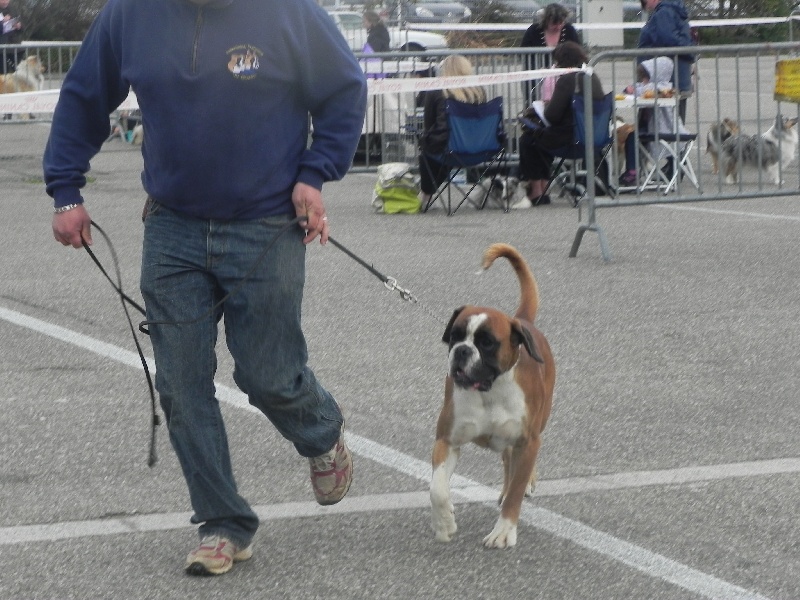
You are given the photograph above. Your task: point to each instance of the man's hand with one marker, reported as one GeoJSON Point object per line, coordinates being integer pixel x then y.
{"type": "Point", "coordinates": [73, 226]}
{"type": "Point", "coordinates": [307, 202]}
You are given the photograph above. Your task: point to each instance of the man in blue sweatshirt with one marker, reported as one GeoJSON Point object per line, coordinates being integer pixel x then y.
{"type": "Point", "coordinates": [227, 91]}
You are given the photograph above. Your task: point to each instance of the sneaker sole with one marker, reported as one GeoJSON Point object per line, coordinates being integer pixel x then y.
{"type": "Point", "coordinates": [327, 502]}
{"type": "Point", "coordinates": [198, 569]}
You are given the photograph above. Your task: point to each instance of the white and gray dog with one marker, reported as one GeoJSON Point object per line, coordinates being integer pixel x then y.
{"type": "Point", "coordinates": [768, 152]}
{"type": "Point", "coordinates": [499, 192]}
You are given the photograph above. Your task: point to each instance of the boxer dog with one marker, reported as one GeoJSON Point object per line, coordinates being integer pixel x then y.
{"type": "Point", "coordinates": [498, 395]}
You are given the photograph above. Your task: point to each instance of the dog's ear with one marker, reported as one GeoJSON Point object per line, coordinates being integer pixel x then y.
{"type": "Point", "coordinates": [446, 336]}
{"type": "Point", "coordinates": [521, 335]}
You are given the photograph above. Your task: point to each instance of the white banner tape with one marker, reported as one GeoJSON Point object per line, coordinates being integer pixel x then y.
{"type": "Point", "coordinates": [599, 26]}
{"type": "Point", "coordinates": [419, 84]}
{"type": "Point", "coordinates": [22, 103]}
{"type": "Point", "coordinates": [45, 101]}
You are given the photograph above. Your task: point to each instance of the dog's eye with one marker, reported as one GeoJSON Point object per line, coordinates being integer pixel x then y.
{"type": "Point", "coordinates": [457, 335]}
{"type": "Point", "coordinates": [485, 342]}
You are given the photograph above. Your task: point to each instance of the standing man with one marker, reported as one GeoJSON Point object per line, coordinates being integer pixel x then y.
{"type": "Point", "coordinates": [227, 90]}
{"type": "Point", "coordinates": [667, 26]}
{"type": "Point", "coordinates": [9, 34]}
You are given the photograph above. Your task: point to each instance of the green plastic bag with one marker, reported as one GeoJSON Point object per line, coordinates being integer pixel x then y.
{"type": "Point", "coordinates": [396, 190]}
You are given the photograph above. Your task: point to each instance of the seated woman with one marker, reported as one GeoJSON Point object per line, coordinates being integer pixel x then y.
{"type": "Point", "coordinates": [654, 76]}
{"type": "Point", "coordinates": [534, 159]}
{"type": "Point", "coordinates": [435, 133]}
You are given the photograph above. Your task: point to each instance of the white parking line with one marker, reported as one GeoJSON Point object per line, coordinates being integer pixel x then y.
{"type": "Point", "coordinates": [735, 213]}
{"type": "Point", "coordinates": [649, 563]}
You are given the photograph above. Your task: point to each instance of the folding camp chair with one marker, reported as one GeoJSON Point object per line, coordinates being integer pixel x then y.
{"type": "Point", "coordinates": [477, 140]}
{"type": "Point", "coordinates": [675, 147]}
{"type": "Point", "coordinates": [570, 179]}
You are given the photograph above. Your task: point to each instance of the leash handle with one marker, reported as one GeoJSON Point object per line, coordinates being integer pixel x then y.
{"type": "Point", "coordinates": [155, 420]}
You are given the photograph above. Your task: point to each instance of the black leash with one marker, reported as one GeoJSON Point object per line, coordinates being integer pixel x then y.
{"type": "Point", "coordinates": [211, 311]}
{"type": "Point", "coordinates": [389, 282]}
{"type": "Point", "coordinates": [125, 300]}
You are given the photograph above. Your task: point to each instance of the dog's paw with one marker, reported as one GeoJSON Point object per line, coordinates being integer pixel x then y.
{"type": "Point", "coordinates": [522, 203]}
{"type": "Point", "coordinates": [443, 523]}
{"type": "Point", "coordinates": [504, 535]}
{"type": "Point", "coordinates": [730, 180]}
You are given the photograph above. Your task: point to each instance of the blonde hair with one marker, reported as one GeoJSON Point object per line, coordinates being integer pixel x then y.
{"type": "Point", "coordinates": [457, 65]}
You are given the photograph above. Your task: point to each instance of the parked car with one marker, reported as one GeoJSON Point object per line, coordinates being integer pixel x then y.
{"type": "Point", "coordinates": [351, 24]}
{"type": "Point", "coordinates": [523, 11]}
{"type": "Point", "coordinates": [426, 11]}
{"type": "Point", "coordinates": [504, 11]}
{"type": "Point", "coordinates": [631, 10]}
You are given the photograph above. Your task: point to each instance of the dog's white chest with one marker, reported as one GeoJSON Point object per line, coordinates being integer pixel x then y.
{"type": "Point", "coordinates": [497, 415]}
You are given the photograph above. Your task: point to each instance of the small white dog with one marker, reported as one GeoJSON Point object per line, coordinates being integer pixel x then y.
{"type": "Point", "coordinates": [773, 149]}
{"type": "Point", "coordinates": [501, 192]}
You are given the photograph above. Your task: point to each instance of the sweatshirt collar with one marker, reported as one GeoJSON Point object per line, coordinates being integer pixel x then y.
{"type": "Point", "coordinates": [210, 3]}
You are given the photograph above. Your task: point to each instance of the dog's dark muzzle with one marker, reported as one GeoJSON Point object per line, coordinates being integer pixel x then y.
{"type": "Point", "coordinates": [469, 374]}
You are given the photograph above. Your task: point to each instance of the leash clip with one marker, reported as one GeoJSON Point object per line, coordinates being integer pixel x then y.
{"type": "Point", "coordinates": [391, 285]}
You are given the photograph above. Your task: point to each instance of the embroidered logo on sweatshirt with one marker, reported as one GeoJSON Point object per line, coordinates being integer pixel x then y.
{"type": "Point", "coordinates": [243, 61]}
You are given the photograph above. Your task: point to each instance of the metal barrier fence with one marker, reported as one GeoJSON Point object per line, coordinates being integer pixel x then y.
{"type": "Point", "coordinates": [390, 127]}
{"type": "Point", "coordinates": [56, 57]}
{"type": "Point", "coordinates": [393, 120]}
{"type": "Point", "coordinates": [735, 82]}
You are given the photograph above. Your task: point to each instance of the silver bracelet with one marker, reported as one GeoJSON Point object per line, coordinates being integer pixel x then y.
{"type": "Point", "coordinates": [62, 209]}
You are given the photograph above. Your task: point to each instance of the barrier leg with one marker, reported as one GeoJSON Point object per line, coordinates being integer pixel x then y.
{"type": "Point", "coordinates": [604, 249]}
{"type": "Point", "coordinates": [591, 225]}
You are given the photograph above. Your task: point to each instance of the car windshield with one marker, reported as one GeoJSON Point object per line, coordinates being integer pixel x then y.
{"type": "Point", "coordinates": [351, 21]}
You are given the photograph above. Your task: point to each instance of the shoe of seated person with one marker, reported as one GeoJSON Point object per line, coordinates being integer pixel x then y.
{"type": "Point", "coordinates": [215, 556]}
{"type": "Point", "coordinates": [543, 199]}
{"type": "Point", "coordinates": [628, 178]}
{"type": "Point", "coordinates": [332, 473]}
{"type": "Point", "coordinates": [424, 199]}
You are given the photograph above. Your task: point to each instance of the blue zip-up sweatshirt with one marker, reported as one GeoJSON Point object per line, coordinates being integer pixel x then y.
{"type": "Point", "coordinates": [668, 27]}
{"type": "Point", "coordinates": [225, 91]}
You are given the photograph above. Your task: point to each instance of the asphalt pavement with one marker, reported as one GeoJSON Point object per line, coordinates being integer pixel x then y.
{"type": "Point", "coordinates": [669, 468]}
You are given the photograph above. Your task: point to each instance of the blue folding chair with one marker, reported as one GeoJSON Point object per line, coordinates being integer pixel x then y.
{"type": "Point", "coordinates": [570, 179]}
{"type": "Point", "coordinates": [477, 140]}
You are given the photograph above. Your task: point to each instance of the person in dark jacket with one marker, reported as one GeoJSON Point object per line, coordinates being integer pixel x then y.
{"type": "Point", "coordinates": [667, 26]}
{"type": "Point", "coordinates": [378, 38]}
{"type": "Point", "coordinates": [226, 102]}
{"type": "Point", "coordinates": [10, 33]}
{"type": "Point", "coordinates": [436, 133]}
{"type": "Point", "coordinates": [534, 160]}
{"type": "Point", "coordinates": [551, 29]}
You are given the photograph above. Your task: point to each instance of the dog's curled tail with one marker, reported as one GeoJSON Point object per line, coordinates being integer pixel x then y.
{"type": "Point", "coordinates": [529, 290]}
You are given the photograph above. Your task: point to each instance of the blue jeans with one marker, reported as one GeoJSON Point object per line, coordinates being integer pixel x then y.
{"type": "Point", "coordinates": [188, 265]}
